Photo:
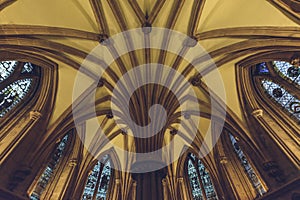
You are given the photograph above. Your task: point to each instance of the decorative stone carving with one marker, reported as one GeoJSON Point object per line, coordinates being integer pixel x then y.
{"type": "Point", "coordinates": [117, 181]}
{"type": "Point", "coordinates": [147, 27]}
{"type": "Point", "coordinates": [274, 171]}
{"type": "Point", "coordinates": [195, 81]}
{"type": "Point", "coordinates": [180, 179]}
{"type": "Point", "coordinates": [223, 159]}
{"type": "Point", "coordinates": [34, 115]}
{"type": "Point", "coordinates": [257, 113]}
{"type": "Point", "coordinates": [72, 162]}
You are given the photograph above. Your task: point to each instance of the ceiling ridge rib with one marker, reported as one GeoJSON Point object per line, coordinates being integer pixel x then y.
{"type": "Point", "coordinates": [37, 30]}
{"type": "Point", "coordinates": [157, 7]}
{"type": "Point", "coordinates": [288, 8]}
{"type": "Point", "coordinates": [38, 42]}
{"type": "Point", "coordinates": [100, 16]}
{"type": "Point", "coordinates": [138, 11]}
{"type": "Point", "coordinates": [250, 31]}
{"type": "Point", "coordinates": [195, 17]}
{"type": "Point", "coordinates": [162, 55]}
{"type": "Point", "coordinates": [5, 3]}
{"type": "Point", "coordinates": [29, 45]}
{"type": "Point", "coordinates": [133, 58]}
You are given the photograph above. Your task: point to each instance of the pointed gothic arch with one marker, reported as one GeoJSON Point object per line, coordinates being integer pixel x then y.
{"type": "Point", "coordinates": [43, 184]}
{"type": "Point", "coordinates": [193, 173]}
{"type": "Point", "coordinates": [269, 86]}
{"type": "Point", "coordinates": [94, 167]}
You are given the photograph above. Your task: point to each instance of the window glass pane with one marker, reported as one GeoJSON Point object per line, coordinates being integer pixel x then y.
{"type": "Point", "coordinates": [104, 181]}
{"type": "Point", "coordinates": [287, 71]}
{"type": "Point", "coordinates": [282, 97]}
{"type": "Point", "coordinates": [207, 183]}
{"type": "Point", "coordinates": [6, 69]}
{"type": "Point", "coordinates": [27, 68]}
{"type": "Point", "coordinates": [262, 68]}
{"type": "Point", "coordinates": [49, 170]}
{"type": "Point", "coordinates": [197, 174]}
{"type": "Point", "coordinates": [247, 166]}
{"type": "Point", "coordinates": [11, 95]}
{"type": "Point", "coordinates": [98, 180]}
{"type": "Point", "coordinates": [194, 181]}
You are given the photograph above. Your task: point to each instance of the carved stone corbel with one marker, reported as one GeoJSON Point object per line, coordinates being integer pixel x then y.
{"type": "Point", "coordinates": [274, 171]}
{"type": "Point", "coordinates": [257, 113]}
{"type": "Point", "coordinates": [72, 162]}
{"type": "Point", "coordinates": [34, 115]}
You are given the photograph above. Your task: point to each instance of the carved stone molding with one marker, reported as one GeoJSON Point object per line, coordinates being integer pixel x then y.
{"type": "Point", "coordinates": [117, 181]}
{"type": "Point", "coordinates": [180, 179]}
{"type": "Point", "coordinates": [223, 159]}
{"type": "Point", "coordinates": [274, 171]}
{"type": "Point", "coordinates": [72, 162]}
{"type": "Point", "coordinates": [34, 115]}
{"type": "Point", "coordinates": [257, 113]}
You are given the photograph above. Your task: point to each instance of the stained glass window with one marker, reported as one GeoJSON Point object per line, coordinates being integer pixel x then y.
{"type": "Point", "coordinates": [283, 97]}
{"type": "Point", "coordinates": [50, 169]}
{"type": "Point", "coordinates": [262, 68]}
{"type": "Point", "coordinates": [247, 167]}
{"type": "Point", "coordinates": [13, 94]}
{"type": "Point", "coordinates": [200, 180]}
{"type": "Point", "coordinates": [17, 80]}
{"type": "Point", "coordinates": [98, 180]}
{"type": "Point", "coordinates": [6, 69]}
{"type": "Point", "coordinates": [287, 71]}
{"type": "Point", "coordinates": [281, 82]}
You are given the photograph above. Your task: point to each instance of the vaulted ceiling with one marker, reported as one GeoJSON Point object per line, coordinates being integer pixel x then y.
{"type": "Point", "coordinates": [67, 31]}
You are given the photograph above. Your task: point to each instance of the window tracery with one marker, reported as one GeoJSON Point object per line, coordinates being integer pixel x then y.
{"type": "Point", "coordinates": [247, 167]}
{"type": "Point", "coordinates": [280, 82]}
{"type": "Point", "coordinates": [200, 180]}
{"type": "Point", "coordinates": [50, 168]}
{"type": "Point", "coordinates": [17, 79]}
{"type": "Point", "coordinates": [98, 181]}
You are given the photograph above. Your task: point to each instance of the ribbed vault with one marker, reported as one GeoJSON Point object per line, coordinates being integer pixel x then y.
{"type": "Point", "coordinates": [67, 32]}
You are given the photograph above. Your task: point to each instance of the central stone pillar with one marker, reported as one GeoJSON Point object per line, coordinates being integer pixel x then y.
{"type": "Point", "coordinates": [149, 182]}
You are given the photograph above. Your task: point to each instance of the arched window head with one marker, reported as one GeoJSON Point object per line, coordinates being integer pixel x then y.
{"type": "Point", "coordinates": [18, 81]}
{"type": "Point", "coordinates": [200, 180]}
{"type": "Point", "coordinates": [256, 183]}
{"type": "Point", "coordinates": [96, 187]}
{"type": "Point", "coordinates": [280, 81]}
{"type": "Point", "coordinates": [49, 171]}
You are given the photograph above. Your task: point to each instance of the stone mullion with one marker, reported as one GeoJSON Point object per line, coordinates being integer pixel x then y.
{"type": "Point", "coordinates": [98, 181]}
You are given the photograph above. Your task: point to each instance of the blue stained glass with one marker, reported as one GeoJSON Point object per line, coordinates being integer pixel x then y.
{"type": "Point", "coordinates": [283, 97]}
{"type": "Point", "coordinates": [98, 180]}
{"type": "Point", "coordinates": [49, 170]}
{"type": "Point", "coordinates": [197, 188]}
{"type": "Point", "coordinates": [11, 95]}
{"type": "Point", "coordinates": [287, 71]}
{"type": "Point", "coordinates": [6, 69]}
{"type": "Point", "coordinates": [262, 68]}
{"type": "Point", "coordinates": [247, 166]}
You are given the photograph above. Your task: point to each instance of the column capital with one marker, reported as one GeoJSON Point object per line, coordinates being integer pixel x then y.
{"type": "Point", "coordinates": [223, 159]}
{"type": "Point", "coordinates": [72, 162]}
{"type": "Point", "coordinates": [134, 183]}
{"type": "Point", "coordinates": [180, 179]}
{"type": "Point", "coordinates": [257, 112]}
{"type": "Point", "coordinates": [34, 115]}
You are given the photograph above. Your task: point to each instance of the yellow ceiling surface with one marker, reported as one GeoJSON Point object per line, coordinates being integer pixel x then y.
{"type": "Point", "coordinates": [175, 15]}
